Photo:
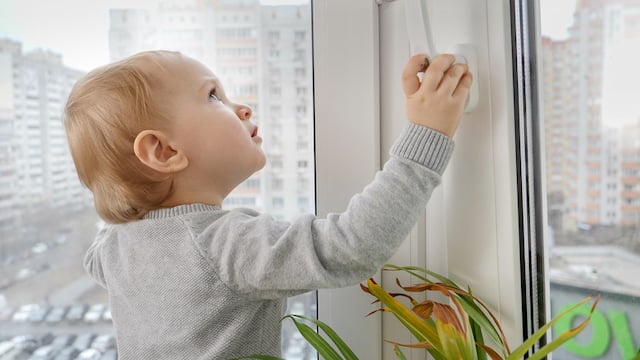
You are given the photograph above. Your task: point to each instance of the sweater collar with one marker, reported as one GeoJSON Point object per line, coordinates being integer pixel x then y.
{"type": "Point", "coordinates": [179, 210]}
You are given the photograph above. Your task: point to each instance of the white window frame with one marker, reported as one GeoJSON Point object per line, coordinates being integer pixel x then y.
{"type": "Point", "coordinates": [347, 141]}
{"type": "Point", "coordinates": [471, 228]}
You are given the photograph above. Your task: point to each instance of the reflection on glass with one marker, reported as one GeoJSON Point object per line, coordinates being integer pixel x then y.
{"type": "Point", "coordinates": [592, 137]}
{"type": "Point", "coordinates": [261, 52]}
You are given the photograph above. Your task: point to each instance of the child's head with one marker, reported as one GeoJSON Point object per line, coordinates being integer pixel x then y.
{"type": "Point", "coordinates": [156, 130]}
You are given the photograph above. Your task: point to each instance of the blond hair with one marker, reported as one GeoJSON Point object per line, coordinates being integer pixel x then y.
{"type": "Point", "coordinates": [105, 112]}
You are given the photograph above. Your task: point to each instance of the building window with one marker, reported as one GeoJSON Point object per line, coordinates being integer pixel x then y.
{"type": "Point", "coordinates": [277, 202]}
{"type": "Point", "coordinates": [273, 35]}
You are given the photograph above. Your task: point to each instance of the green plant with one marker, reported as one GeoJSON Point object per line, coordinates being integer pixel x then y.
{"type": "Point", "coordinates": [454, 330]}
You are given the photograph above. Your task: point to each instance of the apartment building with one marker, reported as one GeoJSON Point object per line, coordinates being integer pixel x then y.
{"type": "Point", "coordinates": [630, 175]}
{"type": "Point", "coordinates": [583, 120]}
{"type": "Point", "coordinates": [288, 112]}
{"type": "Point", "coordinates": [560, 155]}
{"type": "Point", "coordinates": [36, 169]}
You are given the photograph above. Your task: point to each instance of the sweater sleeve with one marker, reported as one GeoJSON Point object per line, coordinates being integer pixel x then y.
{"type": "Point", "coordinates": [257, 255]}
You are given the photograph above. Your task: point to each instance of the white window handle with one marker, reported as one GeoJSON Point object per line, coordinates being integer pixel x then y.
{"type": "Point", "coordinates": [421, 41]}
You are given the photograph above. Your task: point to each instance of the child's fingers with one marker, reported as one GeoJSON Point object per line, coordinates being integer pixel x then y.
{"type": "Point", "coordinates": [451, 78]}
{"type": "Point", "coordinates": [435, 72]}
{"type": "Point", "coordinates": [410, 80]}
{"type": "Point", "coordinates": [464, 86]}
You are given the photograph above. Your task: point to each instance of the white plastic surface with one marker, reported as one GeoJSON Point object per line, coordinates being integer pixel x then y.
{"type": "Point", "coordinates": [466, 54]}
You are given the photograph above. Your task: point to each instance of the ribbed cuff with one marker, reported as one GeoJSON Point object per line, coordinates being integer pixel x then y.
{"type": "Point", "coordinates": [424, 146]}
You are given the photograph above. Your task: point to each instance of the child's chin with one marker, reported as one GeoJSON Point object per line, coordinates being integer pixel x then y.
{"type": "Point", "coordinates": [263, 162]}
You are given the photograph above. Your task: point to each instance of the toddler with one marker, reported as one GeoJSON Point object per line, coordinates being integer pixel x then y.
{"type": "Point", "coordinates": [160, 145]}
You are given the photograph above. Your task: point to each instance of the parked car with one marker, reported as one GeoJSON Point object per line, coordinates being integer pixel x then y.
{"type": "Point", "coordinates": [26, 342]}
{"type": "Point", "coordinates": [38, 313]}
{"type": "Point", "coordinates": [94, 313]}
{"type": "Point", "coordinates": [5, 283]}
{"type": "Point", "coordinates": [6, 346]}
{"type": "Point", "coordinates": [107, 315]}
{"type": "Point", "coordinates": [83, 341]}
{"type": "Point", "coordinates": [45, 338]}
{"type": "Point", "coordinates": [56, 314]}
{"type": "Point", "coordinates": [111, 354]}
{"type": "Point", "coordinates": [63, 340]}
{"type": "Point", "coordinates": [76, 312]}
{"type": "Point", "coordinates": [17, 354]}
{"type": "Point", "coordinates": [24, 273]}
{"type": "Point", "coordinates": [23, 312]}
{"type": "Point", "coordinates": [89, 354]}
{"type": "Point", "coordinates": [68, 353]}
{"type": "Point", "coordinates": [39, 248]}
{"type": "Point", "coordinates": [46, 352]}
{"type": "Point", "coordinates": [104, 342]}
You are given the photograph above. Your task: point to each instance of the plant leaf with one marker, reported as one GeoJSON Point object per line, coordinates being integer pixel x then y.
{"type": "Point", "coordinates": [411, 270]}
{"type": "Point", "coordinates": [558, 341]}
{"type": "Point", "coordinates": [454, 343]}
{"type": "Point", "coordinates": [424, 309]}
{"type": "Point", "coordinates": [492, 353]}
{"type": "Point", "coordinates": [398, 352]}
{"type": "Point", "coordinates": [317, 341]}
{"type": "Point", "coordinates": [447, 315]}
{"type": "Point", "coordinates": [476, 332]}
{"type": "Point", "coordinates": [422, 330]}
{"type": "Point", "coordinates": [337, 340]}
{"type": "Point", "coordinates": [521, 350]}
{"type": "Point", "coordinates": [468, 303]}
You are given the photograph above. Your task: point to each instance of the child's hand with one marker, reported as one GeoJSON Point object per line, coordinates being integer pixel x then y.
{"type": "Point", "coordinates": [437, 102]}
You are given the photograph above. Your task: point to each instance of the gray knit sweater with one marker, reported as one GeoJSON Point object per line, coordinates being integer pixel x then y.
{"type": "Point", "coordinates": [200, 282]}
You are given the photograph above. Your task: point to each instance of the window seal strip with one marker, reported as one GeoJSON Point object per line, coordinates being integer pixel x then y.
{"type": "Point", "coordinates": [530, 169]}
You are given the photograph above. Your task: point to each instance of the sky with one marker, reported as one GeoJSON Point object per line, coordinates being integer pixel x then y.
{"type": "Point", "coordinates": [78, 29]}
{"type": "Point", "coordinates": [556, 16]}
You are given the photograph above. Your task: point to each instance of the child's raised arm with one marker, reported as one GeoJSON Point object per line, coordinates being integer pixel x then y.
{"type": "Point", "coordinates": [438, 101]}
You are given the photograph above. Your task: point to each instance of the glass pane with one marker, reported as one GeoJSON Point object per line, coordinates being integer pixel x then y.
{"type": "Point", "coordinates": [262, 52]}
{"type": "Point", "coordinates": [592, 132]}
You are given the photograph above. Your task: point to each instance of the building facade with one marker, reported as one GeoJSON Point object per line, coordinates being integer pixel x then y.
{"type": "Point", "coordinates": [262, 54]}
{"type": "Point", "coordinates": [36, 169]}
{"type": "Point", "coordinates": [587, 118]}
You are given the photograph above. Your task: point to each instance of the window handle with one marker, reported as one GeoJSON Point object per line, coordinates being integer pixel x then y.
{"type": "Point", "coordinates": [421, 41]}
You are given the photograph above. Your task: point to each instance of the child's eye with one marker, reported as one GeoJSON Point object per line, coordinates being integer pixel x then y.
{"type": "Point", "coordinates": [213, 96]}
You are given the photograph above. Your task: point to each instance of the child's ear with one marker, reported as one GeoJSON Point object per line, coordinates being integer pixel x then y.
{"type": "Point", "coordinates": [153, 149]}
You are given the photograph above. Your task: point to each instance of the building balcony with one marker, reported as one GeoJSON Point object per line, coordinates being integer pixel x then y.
{"type": "Point", "coordinates": [630, 194]}
{"type": "Point", "coordinates": [593, 193]}
{"type": "Point", "coordinates": [593, 206]}
{"type": "Point", "coordinates": [630, 180]}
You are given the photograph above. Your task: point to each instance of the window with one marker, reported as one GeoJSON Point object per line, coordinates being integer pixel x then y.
{"type": "Point", "coordinates": [274, 35]}
{"type": "Point", "coordinates": [47, 219]}
{"type": "Point", "coordinates": [300, 35]}
{"type": "Point", "coordinates": [593, 233]}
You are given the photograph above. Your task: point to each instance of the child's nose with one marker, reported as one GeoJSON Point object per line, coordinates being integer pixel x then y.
{"type": "Point", "coordinates": [243, 112]}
